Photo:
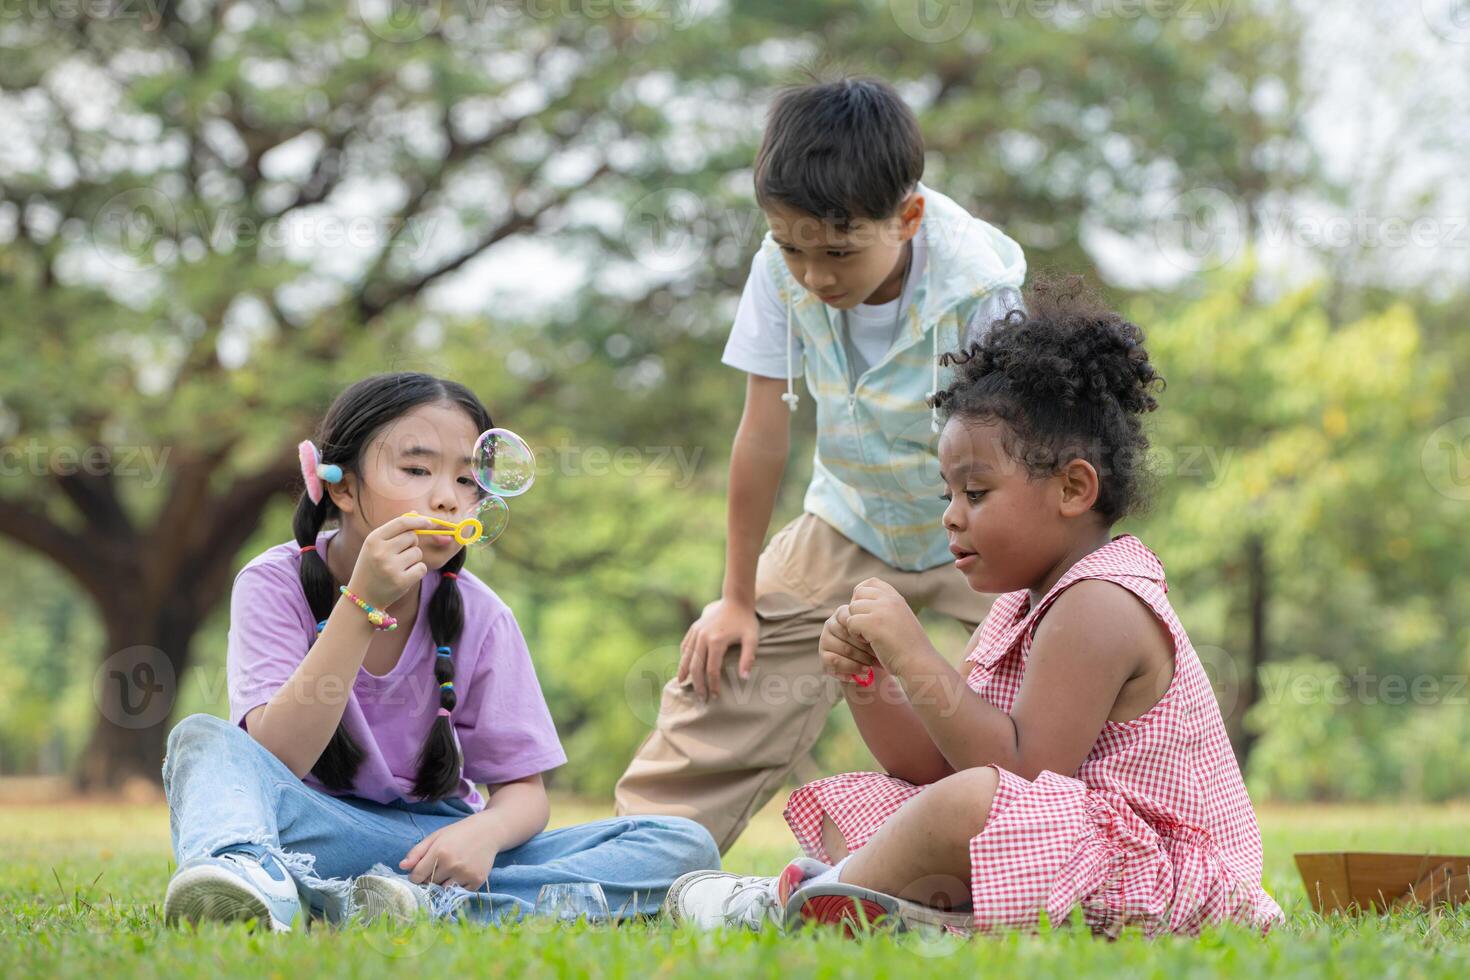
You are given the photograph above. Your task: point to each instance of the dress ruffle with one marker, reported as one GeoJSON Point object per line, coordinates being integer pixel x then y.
{"type": "Point", "coordinates": [1051, 846]}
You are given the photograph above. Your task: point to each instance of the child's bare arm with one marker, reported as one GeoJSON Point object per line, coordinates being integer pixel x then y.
{"type": "Point", "coordinates": [895, 733]}
{"type": "Point", "coordinates": [464, 852]}
{"type": "Point", "coordinates": [757, 462]}
{"type": "Point", "coordinates": [892, 731]}
{"type": "Point", "coordinates": [1095, 639]}
{"type": "Point", "coordinates": [300, 718]}
{"type": "Point", "coordinates": [1074, 674]}
{"type": "Point", "coordinates": [517, 811]}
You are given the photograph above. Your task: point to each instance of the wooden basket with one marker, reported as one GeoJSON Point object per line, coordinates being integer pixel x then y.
{"type": "Point", "coordinates": [1363, 881]}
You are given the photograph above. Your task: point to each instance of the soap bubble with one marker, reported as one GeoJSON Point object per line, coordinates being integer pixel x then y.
{"type": "Point", "coordinates": [493, 515]}
{"type": "Point", "coordinates": [504, 465]}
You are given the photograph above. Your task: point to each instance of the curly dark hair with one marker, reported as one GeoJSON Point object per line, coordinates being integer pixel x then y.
{"type": "Point", "coordinates": [1070, 379]}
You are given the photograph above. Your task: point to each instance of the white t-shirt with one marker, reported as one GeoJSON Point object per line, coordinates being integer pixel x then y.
{"type": "Point", "coordinates": [870, 332]}
{"type": "Point", "coordinates": [757, 343]}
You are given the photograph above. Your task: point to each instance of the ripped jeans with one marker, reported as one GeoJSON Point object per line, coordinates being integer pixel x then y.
{"type": "Point", "coordinates": [224, 787]}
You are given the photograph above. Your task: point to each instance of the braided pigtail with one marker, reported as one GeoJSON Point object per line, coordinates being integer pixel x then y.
{"type": "Point", "coordinates": [356, 417]}
{"type": "Point", "coordinates": [337, 766]}
{"type": "Point", "coordinates": [439, 762]}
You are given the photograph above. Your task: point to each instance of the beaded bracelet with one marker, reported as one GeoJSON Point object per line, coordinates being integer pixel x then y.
{"type": "Point", "coordinates": [381, 621]}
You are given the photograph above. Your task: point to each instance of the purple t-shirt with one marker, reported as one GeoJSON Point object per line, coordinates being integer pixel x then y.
{"type": "Point", "coordinates": [504, 728]}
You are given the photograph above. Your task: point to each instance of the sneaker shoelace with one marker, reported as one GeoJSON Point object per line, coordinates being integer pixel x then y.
{"type": "Point", "coordinates": [752, 899]}
{"type": "Point", "coordinates": [245, 860]}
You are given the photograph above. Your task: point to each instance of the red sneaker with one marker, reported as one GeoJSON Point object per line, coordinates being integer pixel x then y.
{"type": "Point", "coordinates": [857, 910]}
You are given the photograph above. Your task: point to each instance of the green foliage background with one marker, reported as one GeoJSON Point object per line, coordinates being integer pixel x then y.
{"type": "Point", "coordinates": [1306, 413]}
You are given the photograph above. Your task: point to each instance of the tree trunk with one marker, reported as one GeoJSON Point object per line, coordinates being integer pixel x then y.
{"type": "Point", "coordinates": [1257, 596]}
{"type": "Point", "coordinates": [159, 586]}
{"type": "Point", "coordinates": [116, 756]}
{"type": "Point", "coordinates": [135, 690]}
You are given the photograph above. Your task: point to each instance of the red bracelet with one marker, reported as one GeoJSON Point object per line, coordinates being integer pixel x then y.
{"type": "Point", "coordinates": [381, 621]}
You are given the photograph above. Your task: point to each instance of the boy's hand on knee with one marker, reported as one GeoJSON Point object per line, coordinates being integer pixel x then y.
{"type": "Point", "coordinates": [844, 653]}
{"type": "Point", "coordinates": [725, 624]}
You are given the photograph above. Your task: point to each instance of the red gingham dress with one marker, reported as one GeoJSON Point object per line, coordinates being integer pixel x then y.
{"type": "Point", "coordinates": [1154, 830]}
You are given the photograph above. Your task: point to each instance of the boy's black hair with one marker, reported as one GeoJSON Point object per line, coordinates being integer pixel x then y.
{"type": "Point", "coordinates": [1070, 379]}
{"type": "Point", "coordinates": [356, 416]}
{"type": "Point", "coordinates": [839, 150]}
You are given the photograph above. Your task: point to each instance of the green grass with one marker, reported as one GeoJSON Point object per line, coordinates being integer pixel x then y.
{"type": "Point", "coordinates": [81, 889]}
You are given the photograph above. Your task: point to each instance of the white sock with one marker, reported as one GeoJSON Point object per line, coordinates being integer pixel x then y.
{"type": "Point", "coordinates": [831, 876]}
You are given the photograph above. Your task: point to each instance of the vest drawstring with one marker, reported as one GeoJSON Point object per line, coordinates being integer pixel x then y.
{"type": "Point", "coordinates": [791, 398]}
{"type": "Point", "coordinates": [934, 409]}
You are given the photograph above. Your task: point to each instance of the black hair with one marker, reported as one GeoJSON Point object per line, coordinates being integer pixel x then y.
{"type": "Point", "coordinates": [839, 150]}
{"type": "Point", "coordinates": [356, 416]}
{"type": "Point", "coordinates": [1070, 379]}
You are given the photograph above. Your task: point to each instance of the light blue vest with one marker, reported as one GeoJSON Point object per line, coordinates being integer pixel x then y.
{"type": "Point", "coordinates": [875, 473]}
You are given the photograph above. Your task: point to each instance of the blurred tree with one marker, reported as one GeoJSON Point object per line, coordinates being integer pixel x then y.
{"type": "Point", "coordinates": [212, 221]}
{"type": "Point", "coordinates": [153, 265]}
{"type": "Point", "coordinates": [1297, 511]}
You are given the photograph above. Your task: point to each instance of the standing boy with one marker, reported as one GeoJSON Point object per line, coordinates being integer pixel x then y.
{"type": "Point", "coordinates": [865, 277]}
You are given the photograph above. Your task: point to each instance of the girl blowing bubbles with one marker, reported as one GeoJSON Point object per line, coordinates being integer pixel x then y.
{"type": "Point", "coordinates": [343, 782]}
{"type": "Point", "coordinates": [1082, 762]}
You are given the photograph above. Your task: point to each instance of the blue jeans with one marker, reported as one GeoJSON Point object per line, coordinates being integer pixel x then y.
{"type": "Point", "coordinates": [224, 787]}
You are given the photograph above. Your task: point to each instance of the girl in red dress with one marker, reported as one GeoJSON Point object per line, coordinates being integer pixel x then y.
{"type": "Point", "coordinates": [1080, 762]}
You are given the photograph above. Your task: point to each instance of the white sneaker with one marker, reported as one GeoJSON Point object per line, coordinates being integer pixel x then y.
{"type": "Point", "coordinates": [374, 896]}
{"type": "Point", "coordinates": [244, 882]}
{"type": "Point", "coordinates": [719, 899]}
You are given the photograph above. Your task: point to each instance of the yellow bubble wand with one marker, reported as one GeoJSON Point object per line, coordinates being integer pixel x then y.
{"type": "Point", "coordinates": [466, 532]}
{"type": "Point", "coordinates": [504, 466]}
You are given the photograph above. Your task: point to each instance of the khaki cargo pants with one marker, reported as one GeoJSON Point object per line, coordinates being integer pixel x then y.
{"type": "Point", "coordinates": [719, 762]}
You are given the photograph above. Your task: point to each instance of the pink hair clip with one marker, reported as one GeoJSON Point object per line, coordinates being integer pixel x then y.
{"type": "Point", "coordinates": [314, 471]}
